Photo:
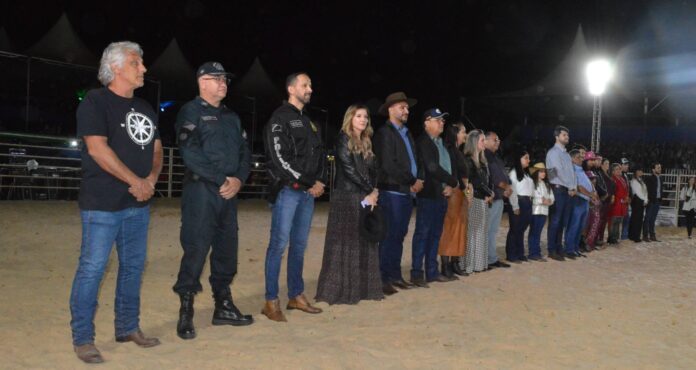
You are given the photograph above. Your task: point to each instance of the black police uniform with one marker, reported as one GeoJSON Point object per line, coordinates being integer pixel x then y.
{"type": "Point", "coordinates": [213, 146]}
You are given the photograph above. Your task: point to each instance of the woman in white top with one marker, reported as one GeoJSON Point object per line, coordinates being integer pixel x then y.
{"type": "Point", "coordinates": [541, 201]}
{"type": "Point", "coordinates": [638, 202]}
{"type": "Point", "coordinates": [521, 202]}
{"type": "Point", "coordinates": [688, 195]}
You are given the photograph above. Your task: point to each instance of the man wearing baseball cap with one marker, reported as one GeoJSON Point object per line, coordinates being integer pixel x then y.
{"type": "Point", "coordinates": [400, 178]}
{"type": "Point", "coordinates": [440, 179]}
{"type": "Point", "coordinates": [213, 145]}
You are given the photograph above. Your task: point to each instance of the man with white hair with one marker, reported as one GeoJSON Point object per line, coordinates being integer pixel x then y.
{"type": "Point", "coordinates": [121, 161]}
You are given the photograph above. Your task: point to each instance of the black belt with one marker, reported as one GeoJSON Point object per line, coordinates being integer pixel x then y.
{"type": "Point", "coordinates": [559, 186]}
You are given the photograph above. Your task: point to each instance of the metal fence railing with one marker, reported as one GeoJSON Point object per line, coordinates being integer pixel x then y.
{"type": "Point", "coordinates": [38, 167]}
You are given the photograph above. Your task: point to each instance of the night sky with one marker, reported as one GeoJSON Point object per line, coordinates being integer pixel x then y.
{"type": "Point", "coordinates": [355, 51]}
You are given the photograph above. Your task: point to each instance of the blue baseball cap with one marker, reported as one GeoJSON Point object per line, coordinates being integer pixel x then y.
{"type": "Point", "coordinates": [434, 113]}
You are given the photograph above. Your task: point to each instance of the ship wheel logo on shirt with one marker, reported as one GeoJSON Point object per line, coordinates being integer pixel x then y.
{"type": "Point", "coordinates": [140, 128]}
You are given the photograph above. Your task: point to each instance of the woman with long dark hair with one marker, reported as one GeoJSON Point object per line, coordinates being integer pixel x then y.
{"type": "Point", "coordinates": [688, 195]}
{"type": "Point", "coordinates": [594, 217]}
{"type": "Point", "coordinates": [520, 214]}
{"type": "Point", "coordinates": [541, 201]}
{"type": "Point", "coordinates": [454, 232]}
{"type": "Point", "coordinates": [350, 267]}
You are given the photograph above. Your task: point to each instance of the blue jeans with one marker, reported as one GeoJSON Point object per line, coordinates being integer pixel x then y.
{"type": "Point", "coordinates": [430, 217]}
{"type": "Point", "coordinates": [100, 229]}
{"type": "Point", "coordinates": [514, 244]}
{"type": "Point", "coordinates": [291, 221]}
{"type": "Point", "coordinates": [534, 237]}
{"type": "Point", "coordinates": [397, 211]}
{"type": "Point", "coordinates": [558, 220]}
{"type": "Point", "coordinates": [495, 213]}
{"type": "Point", "coordinates": [650, 217]}
{"type": "Point", "coordinates": [578, 220]}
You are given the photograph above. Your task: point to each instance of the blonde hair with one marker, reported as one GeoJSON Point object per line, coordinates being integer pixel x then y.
{"type": "Point", "coordinates": [362, 144]}
{"type": "Point", "coordinates": [471, 148]}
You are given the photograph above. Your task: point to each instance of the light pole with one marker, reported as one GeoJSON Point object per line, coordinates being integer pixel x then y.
{"type": "Point", "coordinates": [598, 73]}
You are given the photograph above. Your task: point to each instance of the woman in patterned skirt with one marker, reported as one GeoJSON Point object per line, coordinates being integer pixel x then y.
{"type": "Point", "coordinates": [477, 246]}
{"type": "Point", "coordinates": [350, 267]}
{"type": "Point", "coordinates": [453, 240]}
{"type": "Point", "coordinates": [594, 217]}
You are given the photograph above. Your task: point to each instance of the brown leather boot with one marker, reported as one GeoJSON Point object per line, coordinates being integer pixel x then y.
{"type": "Point", "coordinates": [89, 353]}
{"type": "Point", "coordinates": [272, 310]}
{"type": "Point", "coordinates": [140, 339]}
{"type": "Point", "coordinates": [301, 303]}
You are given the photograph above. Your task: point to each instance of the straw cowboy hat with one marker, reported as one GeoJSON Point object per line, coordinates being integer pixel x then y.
{"type": "Point", "coordinates": [537, 167]}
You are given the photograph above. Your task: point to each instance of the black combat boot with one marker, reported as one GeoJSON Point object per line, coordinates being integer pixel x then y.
{"type": "Point", "coordinates": [226, 313]}
{"type": "Point", "coordinates": [184, 328]}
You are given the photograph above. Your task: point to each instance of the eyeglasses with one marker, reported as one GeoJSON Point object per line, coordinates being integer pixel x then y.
{"type": "Point", "coordinates": [219, 79]}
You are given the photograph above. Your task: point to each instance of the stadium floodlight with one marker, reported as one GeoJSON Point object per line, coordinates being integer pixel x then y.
{"type": "Point", "coordinates": [599, 73]}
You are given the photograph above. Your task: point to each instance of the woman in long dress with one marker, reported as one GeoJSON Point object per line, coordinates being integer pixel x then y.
{"type": "Point", "coordinates": [477, 246]}
{"type": "Point", "coordinates": [350, 266]}
{"type": "Point", "coordinates": [453, 240]}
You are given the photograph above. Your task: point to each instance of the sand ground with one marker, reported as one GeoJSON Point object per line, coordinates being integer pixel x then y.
{"type": "Point", "coordinates": [632, 307]}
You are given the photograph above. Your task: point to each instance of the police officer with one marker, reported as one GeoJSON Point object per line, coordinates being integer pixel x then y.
{"type": "Point", "coordinates": [215, 152]}
{"type": "Point", "coordinates": [297, 166]}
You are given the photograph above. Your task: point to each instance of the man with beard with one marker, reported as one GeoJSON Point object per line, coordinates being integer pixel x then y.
{"type": "Point", "coordinates": [297, 167]}
{"type": "Point", "coordinates": [215, 152]}
{"type": "Point", "coordinates": [564, 185]}
{"type": "Point", "coordinates": [400, 178]}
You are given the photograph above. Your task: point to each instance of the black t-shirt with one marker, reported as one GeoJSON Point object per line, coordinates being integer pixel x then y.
{"type": "Point", "coordinates": [130, 126]}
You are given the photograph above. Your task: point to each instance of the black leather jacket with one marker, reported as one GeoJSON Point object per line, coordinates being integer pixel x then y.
{"type": "Point", "coordinates": [353, 172]}
{"type": "Point", "coordinates": [478, 177]}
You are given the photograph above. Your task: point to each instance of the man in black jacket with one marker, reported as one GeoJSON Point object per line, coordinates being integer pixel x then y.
{"type": "Point", "coordinates": [655, 190]}
{"type": "Point", "coordinates": [440, 180]}
{"type": "Point", "coordinates": [217, 158]}
{"type": "Point", "coordinates": [400, 178]}
{"type": "Point", "coordinates": [297, 167]}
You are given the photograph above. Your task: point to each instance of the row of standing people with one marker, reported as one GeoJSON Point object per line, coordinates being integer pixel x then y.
{"type": "Point", "coordinates": [460, 192]}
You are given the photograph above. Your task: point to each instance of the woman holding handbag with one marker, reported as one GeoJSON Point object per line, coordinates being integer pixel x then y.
{"type": "Point", "coordinates": [350, 266]}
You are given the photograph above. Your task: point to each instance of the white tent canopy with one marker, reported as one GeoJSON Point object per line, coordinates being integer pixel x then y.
{"type": "Point", "coordinates": [175, 73]}
{"type": "Point", "coordinates": [62, 43]}
{"type": "Point", "coordinates": [257, 83]}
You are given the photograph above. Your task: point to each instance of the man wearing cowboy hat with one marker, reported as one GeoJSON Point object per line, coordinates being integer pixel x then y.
{"type": "Point", "coordinates": [400, 177]}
